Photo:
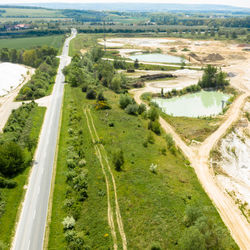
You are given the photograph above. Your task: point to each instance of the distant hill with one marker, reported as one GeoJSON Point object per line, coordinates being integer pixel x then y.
{"type": "Point", "coordinates": [147, 7]}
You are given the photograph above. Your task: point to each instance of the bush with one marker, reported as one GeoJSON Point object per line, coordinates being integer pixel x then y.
{"type": "Point", "coordinates": [118, 159]}
{"type": "Point", "coordinates": [82, 163]}
{"type": "Point", "coordinates": [153, 114]}
{"type": "Point", "coordinates": [155, 127]}
{"type": "Point", "coordinates": [11, 159]}
{"type": "Point", "coordinates": [150, 138]}
{"type": "Point", "coordinates": [153, 168]}
{"type": "Point", "coordinates": [169, 140]}
{"type": "Point", "coordinates": [4, 183]}
{"type": "Point", "coordinates": [91, 94]}
{"type": "Point", "coordinates": [68, 223]}
{"type": "Point", "coordinates": [125, 100]}
{"type": "Point", "coordinates": [132, 109]}
{"type": "Point", "coordinates": [192, 240]}
{"type": "Point", "coordinates": [71, 163]}
{"type": "Point", "coordinates": [100, 97]}
{"type": "Point", "coordinates": [142, 108]}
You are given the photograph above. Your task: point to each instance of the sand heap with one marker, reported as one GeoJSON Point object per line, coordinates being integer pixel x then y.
{"type": "Point", "coordinates": [213, 57]}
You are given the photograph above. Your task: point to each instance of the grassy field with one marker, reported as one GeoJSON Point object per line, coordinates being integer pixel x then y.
{"type": "Point", "coordinates": [152, 205]}
{"type": "Point", "coordinates": [189, 128]}
{"type": "Point", "coordinates": [83, 42]}
{"type": "Point", "coordinates": [13, 197]}
{"type": "Point", "coordinates": [55, 41]}
{"type": "Point", "coordinates": [31, 13]}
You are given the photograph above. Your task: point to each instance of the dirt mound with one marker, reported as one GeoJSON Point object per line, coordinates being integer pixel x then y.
{"type": "Point", "coordinates": [156, 76]}
{"type": "Point", "coordinates": [193, 55]}
{"type": "Point", "coordinates": [214, 57]}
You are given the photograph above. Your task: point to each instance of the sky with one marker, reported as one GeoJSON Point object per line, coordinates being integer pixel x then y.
{"type": "Point", "coordinates": [239, 3]}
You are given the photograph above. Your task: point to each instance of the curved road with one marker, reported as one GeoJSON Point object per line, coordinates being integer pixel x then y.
{"type": "Point", "coordinates": [31, 226]}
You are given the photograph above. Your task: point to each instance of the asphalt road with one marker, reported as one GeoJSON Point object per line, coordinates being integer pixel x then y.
{"type": "Point", "coordinates": [31, 226]}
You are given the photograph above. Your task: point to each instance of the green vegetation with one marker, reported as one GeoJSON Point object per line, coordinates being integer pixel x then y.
{"type": "Point", "coordinates": [18, 141]}
{"type": "Point", "coordinates": [55, 41]}
{"type": "Point", "coordinates": [82, 42]}
{"type": "Point", "coordinates": [41, 83]}
{"type": "Point", "coordinates": [172, 187]}
{"type": "Point", "coordinates": [213, 78]}
{"type": "Point", "coordinates": [189, 128]}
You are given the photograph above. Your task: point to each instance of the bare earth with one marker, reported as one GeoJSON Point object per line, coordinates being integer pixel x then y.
{"type": "Point", "coordinates": [199, 155]}
{"type": "Point", "coordinates": [7, 102]}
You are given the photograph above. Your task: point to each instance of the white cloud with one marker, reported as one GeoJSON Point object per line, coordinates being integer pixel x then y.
{"type": "Point", "coordinates": [240, 3]}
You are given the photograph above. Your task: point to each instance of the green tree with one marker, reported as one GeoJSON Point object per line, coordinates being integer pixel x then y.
{"type": "Point", "coordinates": [136, 64]}
{"type": "Point", "coordinates": [153, 114]}
{"type": "Point", "coordinates": [11, 159]}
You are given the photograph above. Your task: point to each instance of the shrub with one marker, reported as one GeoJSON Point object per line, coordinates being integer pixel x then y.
{"type": "Point", "coordinates": [118, 159]}
{"type": "Point", "coordinates": [132, 109]}
{"type": "Point", "coordinates": [82, 163]}
{"type": "Point", "coordinates": [150, 138]}
{"type": "Point", "coordinates": [102, 105]}
{"type": "Point", "coordinates": [153, 168]}
{"type": "Point", "coordinates": [84, 87]}
{"type": "Point", "coordinates": [155, 127]}
{"type": "Point", "coordinates": [69, 235]}
{"type": "Point", "coordinates": [169, 140]}
{"type": "Point", "coordinates": [125, 100]}
{"type": "Point", "coordinates": [153, 114]}
{"type": "Point", "coordinates": [100, 96]}
{"type": "Point", "coordinates": [71, 163]}
{"type": "Point", "coordinates": [91, 94]}
{"type": "Point", "coordinates": [11, 159]}
{"type": "Point", "coordinates": [68, 223]}
{"type": "Point", "coordinates": [141, 108]}
{"type": "Point", "coordinates": [4, 183]}
{"type": "Point", "coordinates": [155, 246]}
{"type": "Point", "coordinates": [192, 213]}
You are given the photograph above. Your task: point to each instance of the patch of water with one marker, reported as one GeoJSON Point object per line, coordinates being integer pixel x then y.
{"type": "Point", "coordinates": [157, 57]}
{"type": "Point", "coordinates": [203, 103]}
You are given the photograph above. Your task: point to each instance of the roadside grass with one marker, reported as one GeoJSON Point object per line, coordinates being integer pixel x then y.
{"type": "Point", "coordinates": [93, 217]}
{"type": "Point", "coordinates": [189, 128]}
{"type": "Point", "coordinates": [13, 197]}
{"type": "Point", "coordinates": [55, 41]}
{"type": "Point", "coordinates": [83, 42]}
{"type": "Point", "coordinates": [152, 205]}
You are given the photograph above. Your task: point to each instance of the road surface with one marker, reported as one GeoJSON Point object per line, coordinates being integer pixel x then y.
{"type": "Point", "coordinates": [31, 226]}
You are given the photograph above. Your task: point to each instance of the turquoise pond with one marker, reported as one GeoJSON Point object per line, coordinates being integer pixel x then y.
{"type": "Point", "coordinates": [203, 103]}
{"type": "Point", "coordinates": [156, 57]}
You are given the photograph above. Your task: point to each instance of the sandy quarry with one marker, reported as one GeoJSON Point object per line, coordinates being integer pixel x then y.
{"type": "Point", "coordinates": [220, 53]}
{"type": "Point", "coordinates": [9, 78]}
{"type": "Point", "coordinates": [11, 75]}
{"type": "Point", "coordinates": [233, 169]}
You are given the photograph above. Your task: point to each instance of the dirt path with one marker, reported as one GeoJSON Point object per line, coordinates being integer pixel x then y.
{"type": "Point", "coordinates": [106, 169]}
{"type": "Point", "coordinates": [7, 102]}
{"type": "Point", "coordinates": [199, 156]}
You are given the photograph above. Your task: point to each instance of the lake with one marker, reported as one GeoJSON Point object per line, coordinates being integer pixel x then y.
{"type": "Point", "coordinates": [157, 57]}
{"type": "Point", "coordinates": [203, 103]}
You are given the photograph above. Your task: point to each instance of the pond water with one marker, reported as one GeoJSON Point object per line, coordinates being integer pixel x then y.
{"type": "Point", "coordinates": [203, 103]}
{"type": "Point", "coordinates": [156, 57]}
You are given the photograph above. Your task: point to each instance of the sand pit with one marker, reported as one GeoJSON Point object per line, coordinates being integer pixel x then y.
{"type": "Point", "coordinates": [11, 75]}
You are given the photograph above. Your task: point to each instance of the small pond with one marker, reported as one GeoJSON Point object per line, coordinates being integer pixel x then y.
{"type": "Point", "coordinates": [203, 103]}
{"type": "Point", "coordinates": [156, 57]}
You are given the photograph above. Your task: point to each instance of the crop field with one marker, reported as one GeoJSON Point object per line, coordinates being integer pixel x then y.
{"type": "Point", "coordinates": [152, 205]}
{"type": "Point", "coordinates": [31, 13]}
{"type": "Point", "coordinates": [30, 42]}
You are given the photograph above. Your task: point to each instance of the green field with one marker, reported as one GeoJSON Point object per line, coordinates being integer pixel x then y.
{"type": "Point", "coordinates": [55, 41]}
{"type": "Point", "coordinates": [83, 42]}
{"type": "Point", "coordinates": [31, 13]}
{"type": "Point", "coordinates": [14, 196]}
{"type": "Point", "coordinates": [152, 205]}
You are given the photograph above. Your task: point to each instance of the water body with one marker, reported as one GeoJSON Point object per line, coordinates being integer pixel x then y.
{"type": "Point", "coordinates": [157, 57]}
{"type": "Point", "coordinates": [203, 103]}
